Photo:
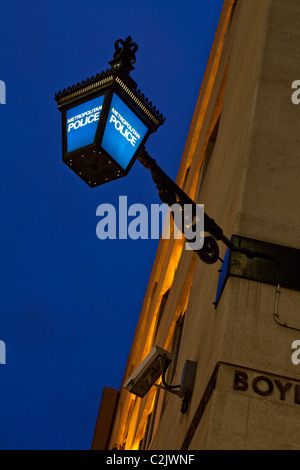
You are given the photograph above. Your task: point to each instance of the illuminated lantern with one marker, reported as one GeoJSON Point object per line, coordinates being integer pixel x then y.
{"type": "Point", "coordinates": [106, 120]}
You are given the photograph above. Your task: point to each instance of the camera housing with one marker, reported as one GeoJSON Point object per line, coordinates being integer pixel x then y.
{"type": "Point", "coordinates": [151, 368]}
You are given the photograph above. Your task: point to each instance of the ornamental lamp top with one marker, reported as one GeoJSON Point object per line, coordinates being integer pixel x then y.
{"type": "Point", "coordinates": [106, 120]}
{"type": "Point", "coordinates": [124, 55]}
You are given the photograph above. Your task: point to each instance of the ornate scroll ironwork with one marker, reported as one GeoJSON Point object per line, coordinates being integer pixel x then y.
{"type": "Point", "coordinates": [170, 193]}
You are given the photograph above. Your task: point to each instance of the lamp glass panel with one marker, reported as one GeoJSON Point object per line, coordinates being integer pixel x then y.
{"type": "Point", "coordinates": [123, 133]}
{"type": "Point", "coordinates": [82, 122]}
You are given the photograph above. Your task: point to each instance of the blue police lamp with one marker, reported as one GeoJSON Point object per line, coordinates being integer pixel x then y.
{"type": "Point", "coordinates": [106, 120]}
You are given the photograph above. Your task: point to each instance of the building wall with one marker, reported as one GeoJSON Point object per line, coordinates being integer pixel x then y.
{"type": "Point", "coordinates": [252, 189]}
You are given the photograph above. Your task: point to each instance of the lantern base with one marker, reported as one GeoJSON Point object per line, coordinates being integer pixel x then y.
{"type": "Point", "coordinates": [94, 167]}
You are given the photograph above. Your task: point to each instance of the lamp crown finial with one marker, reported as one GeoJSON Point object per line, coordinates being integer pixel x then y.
{"type": "Point", "coordinates": [126, 51]}
{"type": "Point", "coordinates": [124, 55]}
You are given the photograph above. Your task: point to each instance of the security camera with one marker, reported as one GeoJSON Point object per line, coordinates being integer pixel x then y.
{"type": "Point", "coordinates": [151, 368]}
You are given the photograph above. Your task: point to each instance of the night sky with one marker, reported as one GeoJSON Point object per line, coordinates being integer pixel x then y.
{"type": "Point", "coordinates": [69, 302]}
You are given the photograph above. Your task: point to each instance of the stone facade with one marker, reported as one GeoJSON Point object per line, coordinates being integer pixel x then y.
{"type": "Point", "coordinates": [242, 161]}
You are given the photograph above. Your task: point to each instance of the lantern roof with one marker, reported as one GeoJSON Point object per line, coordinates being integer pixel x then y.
{"type": "Point", "coordinates": [121, 66]}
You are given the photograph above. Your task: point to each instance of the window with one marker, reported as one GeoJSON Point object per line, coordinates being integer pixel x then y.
{"type": "Point", "coordinates": [175, 349]}
{"type": "Point", "coordinates": [176, 342]}
{"type": "Point", "coordinates": [229, 24]}
{"type": "Point", "coordinates": [161, 309]}
{"type": "Point", "coordinates": [146, 441]}
{"type": "Point", "coordinates": [186, 177]}
{"type": "Point", "coordinates": [208, 153]}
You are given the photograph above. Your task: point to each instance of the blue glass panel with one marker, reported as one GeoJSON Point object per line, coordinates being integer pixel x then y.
{"type": "Point", "coordinates": [82, 122]}
{"type": "Point", "coordinates": [123, 133]}
{"type": "Point", "coordinates": [223, 275]}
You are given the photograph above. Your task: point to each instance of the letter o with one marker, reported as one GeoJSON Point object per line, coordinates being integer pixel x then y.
{"type": "Point", "coordinates": [261, 378]}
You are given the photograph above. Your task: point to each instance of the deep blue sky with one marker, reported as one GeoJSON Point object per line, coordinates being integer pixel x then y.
{"type": "Point", "coordinates": [69, 302]}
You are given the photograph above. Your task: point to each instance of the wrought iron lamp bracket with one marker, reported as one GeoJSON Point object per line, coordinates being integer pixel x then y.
{"type": "Point", "coordinates": [170, 193]}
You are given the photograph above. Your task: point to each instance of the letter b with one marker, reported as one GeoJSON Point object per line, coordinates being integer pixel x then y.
{"type": "Point", "coordinates": [240, 380]}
